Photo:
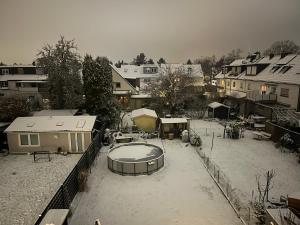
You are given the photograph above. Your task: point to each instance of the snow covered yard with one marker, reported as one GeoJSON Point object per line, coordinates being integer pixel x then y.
{"type": "Point", "coordinates": [241, 160]}
{"type": "Point", "coordinates": [26, 187]}
{"type": "Point", "coordinates": [182, 192]}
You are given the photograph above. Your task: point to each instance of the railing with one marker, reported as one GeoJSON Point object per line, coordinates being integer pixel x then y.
{"type": "Point", "coordinates": [67, 191]}
{"type": "Point", "coordinates": [257, 97]}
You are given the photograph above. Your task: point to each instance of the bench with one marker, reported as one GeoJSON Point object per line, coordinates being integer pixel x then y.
{"type": "Point", "coordinates": [260, 135]}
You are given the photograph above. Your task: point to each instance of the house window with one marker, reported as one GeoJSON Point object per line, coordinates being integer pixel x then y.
{"type": "Point", "coordinates": [284, 92]}
{"type": "Point", "coordinates": [263, 89]}
{"type": "Point", "coordinates": [5, 71]}
{"type": "Point", "coordinates": [241, 85]}
{"type": "Point", "coordinates": [3, 84]}
{"type": "Point", "coordinates": [29, 140]}
{"type": "Point", "coordinates": [249, 86]}
{"type": "Point", "coordinates": [248, 70]}
{"type": "Point", "coordinates": [233, 84]}
{"type": "Point", "coordinates": [228, 83]}
{"type": "Point", "coordinates": [253, 70]}
{"type": "Point", "coordinates": [118, 85]}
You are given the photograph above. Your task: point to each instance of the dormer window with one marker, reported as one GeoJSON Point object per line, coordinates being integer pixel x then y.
{"type": "Point", "coordinates": [251, 70]}
{"type": "Point", "coordinates": [284, 69]}
{"type": "Point", "coordinates": [275, 68]}
{"type": "Point", "coordinates": [189, 70]}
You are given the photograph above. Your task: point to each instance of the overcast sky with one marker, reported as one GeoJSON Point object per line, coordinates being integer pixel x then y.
{"type": "Point", "coordinates": [120, 29]}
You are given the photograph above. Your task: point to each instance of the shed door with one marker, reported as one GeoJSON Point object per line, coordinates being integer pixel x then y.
{"type": "Point", "coordinates": [76, 142]}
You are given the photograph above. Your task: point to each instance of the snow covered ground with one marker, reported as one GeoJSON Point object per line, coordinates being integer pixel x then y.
{"type": "Point", "coordinates": [26, 187]}
{"type": "Point", "coordinates": [241, 160]}
{"type": "Point", "coordinates": [181, 192]}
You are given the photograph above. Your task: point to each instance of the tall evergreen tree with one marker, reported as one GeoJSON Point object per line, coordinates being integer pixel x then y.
{"type": "Point", "coordinates": [189, 62]}
{"type": "Point", "coordinates": [161, 61]}
{"type": "Point", "coordinates": [62, 64]}
{"type": "Point", "coordinates": [150, 61]}
{"type": "Point", "coordinates": [140, 59]}
{"type": "Point", "coordinates": [97, 85]}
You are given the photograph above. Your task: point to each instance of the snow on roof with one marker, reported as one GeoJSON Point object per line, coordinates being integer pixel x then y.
{"type": "Point", "coordinates": [173, 120]}
{"type": "Point", "coordinates": [141, 96]}
{"type": "Point", "coordinates": [237, 94]}
{"type": "Point", "coordinates": [195, 70]}
{"type": "Point", "coordinates": [52, 124]}
{"type": "Point", "coordinates": [291, 76]}
{"type": "Point", "coordinates": [56, 112]}
{"type": "Point", "coordinates": [142, 112]}
{"type": "Point", "coordinates": [17, 66]}
{"type": "Point", "coordinates": [27, 77]}
{"type": "Point", "coordinates": [217, 105]}
{"type": "Point", "coordinates": [134, 71]}
{"type": "Point", "coordinates": [239, 62]}
{"type": "Point", "coordinates": [121, 92]}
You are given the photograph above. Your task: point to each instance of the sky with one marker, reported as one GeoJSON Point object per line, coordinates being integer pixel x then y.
{"type": "Point", "coordinates": [120, 29]}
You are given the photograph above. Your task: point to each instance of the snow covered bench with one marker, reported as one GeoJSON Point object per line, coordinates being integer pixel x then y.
{"type": "Point", "coordinates": [260, 135]}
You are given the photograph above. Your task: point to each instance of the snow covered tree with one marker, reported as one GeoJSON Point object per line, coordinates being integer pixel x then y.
{"type": "Point", "coordinates": [97, 85]}
{"type": "Point", "coordinates": [62, 64]}
{"type": "Point", "coordinates": [173, 88]}
{"type": "Point", "coordinates": [279, 47]}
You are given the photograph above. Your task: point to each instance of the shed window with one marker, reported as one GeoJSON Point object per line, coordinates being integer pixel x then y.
{"type": "Point", "coordinates": [29, 140]}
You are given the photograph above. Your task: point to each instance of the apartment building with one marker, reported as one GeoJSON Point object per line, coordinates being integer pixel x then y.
{"type": "Point", "coordinates": [26, 80]}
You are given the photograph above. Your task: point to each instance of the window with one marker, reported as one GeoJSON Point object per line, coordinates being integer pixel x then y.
{"type": "Point", "coordinates": [263, 89]}
{"type": "Point", "coordinates": [284, 92]}
{"type": "Point", "coordinates": [251, 70]}
{"type": "Point", "coordinates": [284, 69]}
{"type": "Point", "coordinates": [241, 85]}
{"type": "Point", "coordinates": [5, 71]}
{"type": "Point", "coordinates": [249, 86]}
{"type": "Point", "coordinates": [118, 85]}
{"type": "Point", "coordinates": [239, 70]}
{"type": "Point", "coordinates": [3, 84]}
{"type": "Point", "coordinates": [189, 70]}
{"type": "Point", "coordinates": [248, 70]}
{"type": "Point", "coordinates": [233, 84]}
{"type": "Point", "coordinates": [228, 83]}
{"type": "Point", "coordinates": [275, 68]}
{"type": "Point", "coordinates": [29, 140]}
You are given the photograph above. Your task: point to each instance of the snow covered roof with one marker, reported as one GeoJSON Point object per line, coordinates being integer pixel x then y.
{"type": "Point", "coordinates": [217, 105]}
{"type": "Point", "coordinates": [27, 77]}
{"type": "Point", "coordinates": [195, 70]}
{"type": "Point", "coordinates": [141, 96]}
{"type": "Point", "coordinates": [56, 112]}
{"type": "Point", "coordinates": [173, 120]}
{"type": "Point", "coordinates": [143, 112]}
{"type": "Point", "coordinates": [17, 66]}
{"type": "Point", "coordinates": [121, 92]}
{"type": "Point", "coordinates": [134, 71]}
{"type": "Point", "coordinates": [52, 124]}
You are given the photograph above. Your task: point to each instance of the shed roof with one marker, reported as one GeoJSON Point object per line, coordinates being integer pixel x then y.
{"type": "Point", "coordinates": [217, 105]}
{"type": "Point", "coordinates": [173, 120]}
{"type": "Point", "coordinates": [52, 123]}
{"type": "Point", "coordinates": [142, 112]}
{"type": "Point", "coordinates": [56, 112]}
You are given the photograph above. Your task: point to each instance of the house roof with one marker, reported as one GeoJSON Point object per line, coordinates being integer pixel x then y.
{"type": "Point", "coordinates": [173, 120]}
{"type": "Point", "coordinates": [134, 71]}
{"type": "Point", "coordinates": [56, 112]}
{"type": "Point", "coordinates": [217, 105]}
{"type": "Point", "coordinates": [195, 69]}
{"type": "Point", "coordinates": [143, 112]}
{"type": "Point", "coordinates": [27, 77]}
{"type": "Point", "coordinates": [52, 124]}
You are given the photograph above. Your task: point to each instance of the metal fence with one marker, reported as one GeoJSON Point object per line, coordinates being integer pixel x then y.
{"type": "Point", "coordinates": [242, 209]}
{"type": "Point", "coordinates": [67, 191]}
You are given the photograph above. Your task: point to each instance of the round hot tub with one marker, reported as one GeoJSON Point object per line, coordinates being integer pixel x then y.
{"type": "Point", "coordinates": [135, 159]}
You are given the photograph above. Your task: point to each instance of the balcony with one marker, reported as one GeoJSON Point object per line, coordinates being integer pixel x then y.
{"type": "Point", "coordinates": [258, 97]}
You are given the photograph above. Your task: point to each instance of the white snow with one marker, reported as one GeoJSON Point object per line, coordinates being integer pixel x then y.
{"type": "Point", "coordinates": [181, 192]}
{"type": "Point", "coordinates": [241, 160]}
{"type": "Point", "coordinates": [27, 187]}
{"type": "Point", "coordinates": [133, 152]}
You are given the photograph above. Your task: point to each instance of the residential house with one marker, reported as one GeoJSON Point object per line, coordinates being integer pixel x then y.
{"type": "Point", "coordinates": [262, 84]}
{"type": "Point", "coordinates": [133, 83]}
{"type": "Point", "coordinates": [50, 133]}
{"type": "Point", "coordinates": [26, 80]}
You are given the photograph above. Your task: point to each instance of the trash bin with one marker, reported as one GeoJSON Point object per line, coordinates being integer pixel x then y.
{"type": "Point", "coordinates": [171, 136]}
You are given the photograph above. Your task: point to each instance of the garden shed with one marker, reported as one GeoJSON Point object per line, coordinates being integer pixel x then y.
{"type": "Point", "coordinates": [218, 110]}
{"type": "Point", "coordinates": [50, 134]}
{"type": "Point", "coordinates": [144, 119]}
{"type": "Point", "coordinates": [172, 127]}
